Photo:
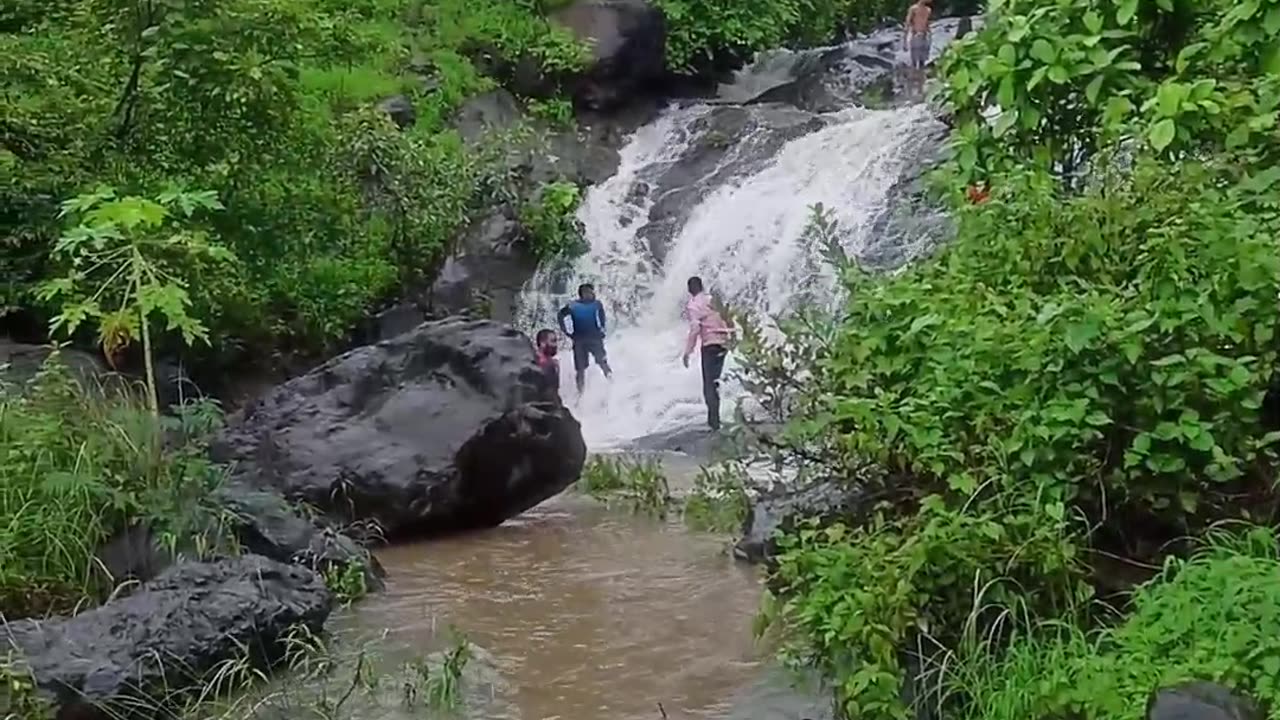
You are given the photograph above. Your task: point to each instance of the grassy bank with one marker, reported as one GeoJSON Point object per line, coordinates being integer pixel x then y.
{"type": "Point", "coordinates": [79, 465]}
{"type": "Point", "coordinates": [1065, 402]}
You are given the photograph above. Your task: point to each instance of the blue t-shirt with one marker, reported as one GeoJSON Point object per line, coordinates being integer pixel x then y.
{"type": "Point", "coordinates": [587, 317]}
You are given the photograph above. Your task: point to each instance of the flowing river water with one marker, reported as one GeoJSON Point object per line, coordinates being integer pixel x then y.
{"type": "Point", "coordinates": [577, 612]}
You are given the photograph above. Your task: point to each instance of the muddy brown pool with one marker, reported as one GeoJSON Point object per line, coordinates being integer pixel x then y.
{"type": "Point", "coordinates": [583, 613]}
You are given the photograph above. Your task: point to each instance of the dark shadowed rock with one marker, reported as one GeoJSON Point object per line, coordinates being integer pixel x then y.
{"type": "Point", "coordinates": [628, 42]}
{"type": "Point", "coordinates": [133, 554]}
{"type": "Point", "coordinates": [1200, 701]}
{"type": "Point", "coordinates": [133, 653]}
{"type": "Point", "coordinates": [782, 508]}
{"type": "Point", "coordinates": [447, 427]}
{"type": "Point", "coordinates": [267, 525]}
{"type": "Point", "coordinates": [495, 110]}
{"type": "Point", "coordinates": [19, 363]}
{"type": "Point", "coordinates": [487, 269]}
{"type": "Point", "coordinates": [401, 111]}
{"type": "Point", "coordinates": [395, 320]}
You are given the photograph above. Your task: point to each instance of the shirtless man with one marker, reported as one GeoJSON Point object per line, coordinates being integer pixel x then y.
{"type": "Point", "coordinates": [916, 37]}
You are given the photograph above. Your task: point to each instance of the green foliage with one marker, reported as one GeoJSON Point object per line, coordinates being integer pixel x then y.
{"type": "Point", "coordinates": [1083, 366]}
{"type": "Point", "coordinates": [19, 699]}
{"type": "Point", "coordinates": [329, 209]}
{"type": "Point", "coordinates": [854, 599]}
{"type": "Point", "coordinates": [1070, 77]}
{"type": "Point", "coordinates": [77, 466]}
{"type": "Point", "coordinates": [551, 224]}
{"type": "Point", "coordinates": [1211, 617]}
{"type": "Point", "coordinates": [718, 501]}
{"type": "Point", "coordinates": [637, 483]}
{"type": "Point", "coordinates": [346, 581]}
{"type": "Point", "coordinates": [700, 31]}
{"type": "Point", "coordinates": [129, 260]}
{"type": "Point", "coordinates": [1078, 375]}
{"type": "Point", "coordinates": [556, 112]}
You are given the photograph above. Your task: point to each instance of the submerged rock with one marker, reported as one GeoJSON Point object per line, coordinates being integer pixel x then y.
{"type": "Point", "coordinates": [448, 427]}
{"type": "Point", "coordinates": [783, 508]}
{"type": "Point", "coordinates": [131, 655]}
{"type": "Point", "coordinates": [628, 42]}
{"type": "Point", "coordinates": [1200, 701]}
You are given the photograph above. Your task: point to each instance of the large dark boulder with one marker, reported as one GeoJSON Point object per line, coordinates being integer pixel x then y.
{"type": "Point", "coordinates": [628, 42]}
{"type": "Point", "coordinates": [136, 652]}
{"type": "Point", "coordinates": [1200, 701]}
{"type": "Point", "coordinates": [447, 427]}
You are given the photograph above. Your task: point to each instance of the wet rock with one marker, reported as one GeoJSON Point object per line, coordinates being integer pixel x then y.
{"type": "Point", "coordinates": [782, 508]}
{"type": "Point", "coordinates": [395, 320]}
{"type": "Point", "coordinates": [628, 41]}
{"type": "Point", "coordinates": [135, 652]}
{"type": "Point", "coordinates": [486, 271]}
{"type": "Point", "coordinates": [401, 111]}
{"type": "Point", "coordinates": [448, 427]}
{"type": "Point", "coordinates": [912, 223]}
{"type": "Point", "coordinates": [1200, 701]}
{"type": "Point", "coordinates": [133, 554]}
{"type": "Point", "coordinates": [267, 525]}
{"type": "Point", "coordinates": [19, 363]}
{"type": "Point", "coordinates": [495, 110]}
{"type": "Point", "coordinates": [728, 142]}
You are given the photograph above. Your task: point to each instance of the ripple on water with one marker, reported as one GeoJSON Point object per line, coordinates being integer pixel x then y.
{"type": "Point", "coordinates": [587, 614]}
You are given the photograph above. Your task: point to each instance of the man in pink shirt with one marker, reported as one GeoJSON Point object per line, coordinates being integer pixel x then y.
{"type": "Point", "coordinates": [705, 324]}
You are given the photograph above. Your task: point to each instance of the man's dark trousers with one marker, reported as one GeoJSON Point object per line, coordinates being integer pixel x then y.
{"type": "Point", "coordinates": [712, 366]}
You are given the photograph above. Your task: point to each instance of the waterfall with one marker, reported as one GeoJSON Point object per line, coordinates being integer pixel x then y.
{"type": "Point", "coordinates": [740, 180]}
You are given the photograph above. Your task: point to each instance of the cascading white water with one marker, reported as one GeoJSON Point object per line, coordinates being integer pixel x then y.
{"type": "Point", "coordinates": [745, 238]}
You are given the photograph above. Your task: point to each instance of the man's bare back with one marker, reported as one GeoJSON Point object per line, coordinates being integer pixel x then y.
{"type": "Point", "coordinates": [916, 35]}
{"type": "Point", "coordinates": [918, 18]}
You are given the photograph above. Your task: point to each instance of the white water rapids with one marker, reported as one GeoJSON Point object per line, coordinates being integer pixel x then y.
{"type": "Point", "coordinates": [744, 238]}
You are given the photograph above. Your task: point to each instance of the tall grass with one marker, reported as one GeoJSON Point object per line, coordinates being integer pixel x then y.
{"type": "Point", "coordinates": [79, 464]}
{"type": "Point", "coordinates": [1215, 616]}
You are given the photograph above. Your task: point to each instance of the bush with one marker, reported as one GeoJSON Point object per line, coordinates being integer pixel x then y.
{"type": "Point", "coordinates": [719, 501]}
{"type": "Point", "coordinates": [551, 224]}
{"type": "Point", "coordinates": [637, 483]}
{"type": "Point", "coordinates": [329, 209]}
{"type": "Point", "coordinates": [1077, 377]}
{"type": "Point", "coordinates": [1211, 617]}
{"type": "Point", "coordinates": [702, 31]}
{"type": "Point", "coordinates": [77, 466]}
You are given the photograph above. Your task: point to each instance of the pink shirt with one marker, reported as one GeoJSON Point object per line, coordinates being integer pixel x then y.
{"type": "Point", "coordinates": [704, 323]}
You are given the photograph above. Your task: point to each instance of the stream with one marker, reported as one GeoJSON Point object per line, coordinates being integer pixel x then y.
{"type": "Point", "coordinates": [577, 612]}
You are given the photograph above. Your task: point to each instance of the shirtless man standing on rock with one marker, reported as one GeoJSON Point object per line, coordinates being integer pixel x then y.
{"type": "Point", "coordinates": [916, 38]}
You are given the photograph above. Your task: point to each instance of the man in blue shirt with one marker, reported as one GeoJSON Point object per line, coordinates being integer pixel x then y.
{"type": "Point", "coordinates": [586, 330]}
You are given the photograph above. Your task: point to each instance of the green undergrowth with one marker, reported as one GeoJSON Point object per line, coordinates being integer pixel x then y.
{"type": "Point", "coordinates": [1067, 395]}
{"type": "Point", "coordinates": [718, 501]}
{"type": "Point", "coordinates": [79, 464]}
{"type": "Point", "coordinates": [1211, 617]}
{"type": "Point", "coordinates": [327, 208]}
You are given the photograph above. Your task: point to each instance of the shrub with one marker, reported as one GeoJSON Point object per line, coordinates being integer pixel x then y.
{"type": "Point", "coordinates": [637, 483]}
{"type": "Point", "coordinates": [77, 466]}
{"type": "Point", "coordinates": [854, 600]}
{"type": "Point", "coordinates": [551, 224]}
{"type": "Point", "coordinates": [1211, 617]}
{"type": "Point", "coordinates": [719, 501]}
{"type": "Point", "coordinates": [701, 31]}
